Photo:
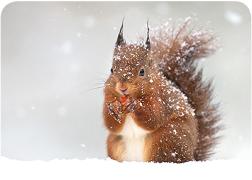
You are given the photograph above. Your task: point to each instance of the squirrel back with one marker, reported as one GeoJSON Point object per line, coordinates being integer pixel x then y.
{"type": "Point", "coordinates": [176, 53]}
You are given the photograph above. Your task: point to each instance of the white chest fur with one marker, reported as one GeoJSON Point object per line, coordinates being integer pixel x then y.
{"type": "Point", "coordinates": [134, 140]}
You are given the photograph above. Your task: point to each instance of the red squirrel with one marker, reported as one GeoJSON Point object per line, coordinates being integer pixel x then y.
{"type": "Point", "coordinates": [157, 107]}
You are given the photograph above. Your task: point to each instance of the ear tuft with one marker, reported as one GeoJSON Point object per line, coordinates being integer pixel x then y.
{"type": "Point", "coordinates": [147, 42]}
{"type": "Point", "coordinates": [120, 39]}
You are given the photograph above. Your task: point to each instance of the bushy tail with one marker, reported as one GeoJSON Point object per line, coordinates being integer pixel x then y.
{"type": "Point", "coordinates": [175, 51]}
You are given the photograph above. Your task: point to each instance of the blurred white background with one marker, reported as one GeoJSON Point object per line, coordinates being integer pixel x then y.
{"type": "Point", "coordinates": [55, 53]}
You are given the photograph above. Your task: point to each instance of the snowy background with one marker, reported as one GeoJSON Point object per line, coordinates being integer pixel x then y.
{"type": "Point", "coordinates": [55, 55]}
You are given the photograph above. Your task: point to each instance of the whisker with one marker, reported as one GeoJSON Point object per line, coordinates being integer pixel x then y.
{"type": "Point", "coordinates": [95, 88]}
{"type": "Point", "coordinates": [99, 83]}
{"type": "Point", "coordinates": [101, 80]}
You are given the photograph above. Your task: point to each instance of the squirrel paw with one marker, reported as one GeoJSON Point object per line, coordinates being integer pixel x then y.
{"type": "Point", "coordinates": [130, 107]}
{"type": "Point", "coordinates": [115, 110]}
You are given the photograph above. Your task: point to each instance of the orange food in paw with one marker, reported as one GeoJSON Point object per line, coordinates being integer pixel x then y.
{"type": "Point", "coordinates": [123, 99]}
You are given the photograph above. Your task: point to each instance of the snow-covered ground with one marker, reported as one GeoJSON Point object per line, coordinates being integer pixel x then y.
{"type": "Point", "coordinates": [109, 169]}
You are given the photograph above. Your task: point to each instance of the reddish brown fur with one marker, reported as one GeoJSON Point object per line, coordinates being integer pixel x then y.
{"type": "Point", "coordinates": [171, 101]}
{"type": "Point", "coordinates": [189, 80]}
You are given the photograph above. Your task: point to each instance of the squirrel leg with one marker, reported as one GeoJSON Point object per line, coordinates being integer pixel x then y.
{"type": "Point", "coordinates": [115, 147]}
{"type": "Point", "coordinates": [170, 143]}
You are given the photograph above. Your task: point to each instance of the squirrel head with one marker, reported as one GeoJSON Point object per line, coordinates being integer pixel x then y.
{"type": "Point", "coordinates": [131, 67]}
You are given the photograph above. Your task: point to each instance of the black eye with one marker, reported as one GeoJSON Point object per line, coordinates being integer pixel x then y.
{"type": "Point", "coordinates": [111, 70]}
{"type": "Point", "coordinates": [141, 72]}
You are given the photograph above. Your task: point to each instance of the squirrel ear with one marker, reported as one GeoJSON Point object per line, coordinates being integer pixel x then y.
{"type": "Point", "coordinates": [120, 39]}
{"type": "Point", "coordinates": [147, 43]}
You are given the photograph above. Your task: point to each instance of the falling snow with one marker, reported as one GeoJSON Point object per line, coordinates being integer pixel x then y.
{"type": "Point", "coordinates": [83, 145]}
{"type": "Point", "coordinates": [89, 21]}
{"type": "Point", "coordinates": [66, 47]}
{"type": "Point", "coordinates": [62, 111]}
{"type": "Point", "coordinates": [79, 34]}
{"type": "Point", "coordinates": [233, 17]}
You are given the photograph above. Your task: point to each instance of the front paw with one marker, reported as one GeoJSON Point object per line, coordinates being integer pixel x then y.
{"type": "Point", "coordinates": [131, 106]}
{"type": "Point", "coordinates": [115, 110]}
